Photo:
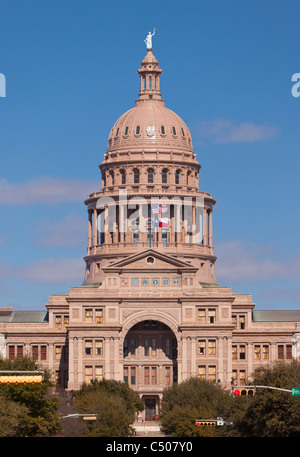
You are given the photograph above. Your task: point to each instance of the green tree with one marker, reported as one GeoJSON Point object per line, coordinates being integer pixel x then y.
{"type": "Point", "coordinates": [194, 399]}
{"type": "Point", "coordinates": [39, 415]}
{"type": "Point", "coordinates": [114, 404]}
{"type": "Point", "coordinates": [12, 415]}
{"type": "Point", "coordinates": [272, 413]}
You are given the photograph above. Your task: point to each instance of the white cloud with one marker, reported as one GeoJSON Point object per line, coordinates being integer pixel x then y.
{"type": "Point", "coordinates": [223, 131]}
{"type": "Point", "coordinates": [238, 261]}
{"type": "Point", "coordinates": [45, 189]}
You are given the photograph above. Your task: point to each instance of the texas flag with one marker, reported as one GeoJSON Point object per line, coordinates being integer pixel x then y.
{"type": "Point", "coordinates": [160, 221]}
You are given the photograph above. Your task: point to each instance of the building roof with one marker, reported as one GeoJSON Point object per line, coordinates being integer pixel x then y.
{"type": "Point", "coordinates": [276, 315]}
{"type": "Point", "coordinates": [29, 317]}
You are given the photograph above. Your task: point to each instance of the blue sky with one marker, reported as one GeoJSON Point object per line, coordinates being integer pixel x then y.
{"type": "Point", "coordinates": [70, 69]}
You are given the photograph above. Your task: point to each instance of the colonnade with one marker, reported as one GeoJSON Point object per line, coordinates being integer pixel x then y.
{"type": "Point", "coordinates": [120, 224]}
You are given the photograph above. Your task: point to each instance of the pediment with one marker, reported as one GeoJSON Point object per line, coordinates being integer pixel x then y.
{"type": "Point", "coordinates": [150, 260]}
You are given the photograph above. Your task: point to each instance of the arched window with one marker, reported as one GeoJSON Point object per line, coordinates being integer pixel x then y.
{"type": "Point", "coordinates": [123, 177]}
{"type": "Point", "coordinates": [177, 177]}
{"type": "Point", "coordinates": [164, 176]}
{"type": "Point", "coordinates": [112, 178]}
{"type": "Point", "coordinates": [136, 176]}
{"type": "Point", "coordinates": [150, 172]}
{"type": "Point", "coordinates": [188, 175]}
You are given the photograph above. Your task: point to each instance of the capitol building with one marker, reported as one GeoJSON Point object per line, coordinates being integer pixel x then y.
{"type": "Point", "coordinates": [150, 311]}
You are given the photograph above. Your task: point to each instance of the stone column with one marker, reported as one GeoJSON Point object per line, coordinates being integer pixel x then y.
{"type": "Point", "coordinates": [117, 365]}
{"type": "Point", "coordinates": [71, 364]}
{"type": "Point", "coordinates": [95, 228]}
{"type": "Point", "coordinates": [184, 358]}
{"type": "Point", "coordinates": [204, 229]}
{"type": "Point", "coordinates": [210, 232]}
{"type": "Point", "coordinates": [90, 217]}
{"type": "Point", "coordinates": [193, 356]}
{"type": "Point", "coordinates": [121, 223]}
{"type": "Point", "coordinates": [107, 359]}
{"type": "Point", "coordinates": [80, 362]}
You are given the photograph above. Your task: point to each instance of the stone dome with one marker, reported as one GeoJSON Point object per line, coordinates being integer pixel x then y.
{"type": "Point", "coordinates": [150, 125]}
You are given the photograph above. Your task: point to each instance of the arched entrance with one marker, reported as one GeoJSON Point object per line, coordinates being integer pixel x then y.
{"type": "Point", "coordinates": [150, 362]}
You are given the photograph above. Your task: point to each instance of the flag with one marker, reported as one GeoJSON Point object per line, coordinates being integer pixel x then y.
{"type": "Point", "coordinates": [161, 222]}
{"type": "Point", "coordinates": [159, 209]}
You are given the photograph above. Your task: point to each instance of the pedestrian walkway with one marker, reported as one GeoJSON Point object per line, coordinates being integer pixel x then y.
{"type": "Point", "coordinates": [148, 429]}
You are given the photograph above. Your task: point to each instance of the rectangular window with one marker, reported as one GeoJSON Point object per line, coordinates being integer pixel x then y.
{"type": "Point", "coordinates": [211, 347]}
{"type": "Point", "coordinates": [88, 374]}
{"type": "Point", "coordinates": [242, 377]}
{"type": "Point", "coordinates": [146, 376]}
{"type": "Point", "coordinates": [234, 352]}
{"type": "Point", "coordinates": [168, 375]}
{"type": "Point", "coordinates": [212, 316]}
{"type": "Point", "coordinates": [125, 375]}
{"type": "Point", "coordinates": [265, 352]}
{"type": "Point", "coordinates": [132, 376]}
{"type": "Point", "coordinates": [154, 375]}
{"type": "Point", "coordinates": [212, 373]}
{"type": "Point", "coordinates": [35, 352]}
{"type": "Point", "coordinates": [289, 351]}
{"type": "Point", "coordinates": [234, 377]}
{"type": "Point", "coordinates": [20, 352]}
{"type": "Point", "coordinates": [201, 372]}
{"type": "Point", "coordinates": [242, 352]}
{"type": "Point", "coordinates": [43, 352]}
{"type": "Point", "coordinates": [162, 129]}
{"type": "Point", "coordinates": [242, 322]}
{"type": "Point", "coordinates": [58, 322]}
{"type": "Point", "coordinates": [11, 352]}
{"type": "Point", "coordinates": [201, 316]}
{"type": "Point", "coordinates": [201, 347]}
{"type": "Point", "coordinates": [99, 347]}
{"type": "Point", "coordinates": [89, 347]}
{"type": "Point", "coordinates": [234, 320]}
{"type": "Point", "coordinates": [99, 316]}
{"type": "Point", "coordinates": [58, 352]}
{"type": "Point", "coordinates": [280, 352]}
{"type": "Point", "coordinates": [99, 373]}
{"type": "Point", "coordinates": [257, 352]}
{"type": "Point", "coordinates": [88, 316]}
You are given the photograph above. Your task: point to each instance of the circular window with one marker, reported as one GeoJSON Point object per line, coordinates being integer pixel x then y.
{"type": "Point", "coordinates": [150, 260]}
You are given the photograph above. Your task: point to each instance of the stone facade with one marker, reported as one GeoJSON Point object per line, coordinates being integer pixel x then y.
{"type": "Point", "coordinates": [150, 311]}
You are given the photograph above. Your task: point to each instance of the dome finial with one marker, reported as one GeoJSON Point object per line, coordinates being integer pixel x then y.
{"type": "Point", "coordinates": [148, 39]}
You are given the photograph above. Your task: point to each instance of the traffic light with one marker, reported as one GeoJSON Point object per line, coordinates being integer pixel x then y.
{"type": "Point", "coordinates": [90, 417]}
{"type": "Point", "coordinates": [206, 422]}
{"type": "Point", "coordinates": [33, 379]}
{"type": "Point", "coordinates": [244, 391]}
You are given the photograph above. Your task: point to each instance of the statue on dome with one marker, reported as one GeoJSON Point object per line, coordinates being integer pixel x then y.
{"type": "Point", "coordinates": [148, 39]}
